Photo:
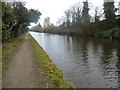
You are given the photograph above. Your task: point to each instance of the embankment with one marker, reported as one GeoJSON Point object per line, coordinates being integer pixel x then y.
{"type": "Point", "coordinates": [52, 75]}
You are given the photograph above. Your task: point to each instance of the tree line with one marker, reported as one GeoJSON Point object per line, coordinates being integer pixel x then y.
{"type": "Point", "coordinates": [16, 18]}
{"type": "Point", "coordinates": [77, 20]}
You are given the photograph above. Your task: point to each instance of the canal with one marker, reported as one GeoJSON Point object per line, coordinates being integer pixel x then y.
{"type": "Point", "coordinates": [86, 62]}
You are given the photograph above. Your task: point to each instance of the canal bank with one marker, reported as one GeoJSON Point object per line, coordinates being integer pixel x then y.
{"type": "Point", "coordinates": [112, 34]}
{"type": "Point", "coordinates": [51, 74]}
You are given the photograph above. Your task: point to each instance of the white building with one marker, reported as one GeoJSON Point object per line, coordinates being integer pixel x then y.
{"type": "Point", "coordinates": [46, 22]}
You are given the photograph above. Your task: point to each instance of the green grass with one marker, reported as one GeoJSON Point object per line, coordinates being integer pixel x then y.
{"type": "Point", "coordinates": [8, 50]}
{"type": "Point", "coordinates": [50, 70]}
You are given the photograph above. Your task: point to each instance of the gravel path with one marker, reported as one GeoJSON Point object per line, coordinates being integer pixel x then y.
{"type": "Point", "coordinates": [20, 72]}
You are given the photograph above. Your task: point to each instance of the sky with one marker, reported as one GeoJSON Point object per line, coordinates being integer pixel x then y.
{"type": "Point", "coordinates": [55, 8]}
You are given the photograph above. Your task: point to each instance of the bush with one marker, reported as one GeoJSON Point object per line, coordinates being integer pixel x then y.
{"type": "Point", "coordinates": [115, 33]}
{"type": "Point", "coordinates": [112, 34]}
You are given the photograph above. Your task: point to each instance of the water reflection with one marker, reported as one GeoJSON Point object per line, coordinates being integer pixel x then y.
{"type": "Point", "coordinates": [86, 62]}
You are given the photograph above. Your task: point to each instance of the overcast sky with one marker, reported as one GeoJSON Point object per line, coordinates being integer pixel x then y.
{"type": "Point", "coordinates": [55, 8]}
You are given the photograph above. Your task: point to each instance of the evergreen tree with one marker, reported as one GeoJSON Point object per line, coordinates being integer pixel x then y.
{"type": "Point", "coordinates": [109, 11]}
{"type": "Point", "coordinates": [85, 13]}
{"type": "Point", "coordinates": [96, 15]}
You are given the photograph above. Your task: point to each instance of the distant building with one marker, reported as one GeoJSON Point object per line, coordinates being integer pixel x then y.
{"type": "Point", "coordinates": [46, 22]}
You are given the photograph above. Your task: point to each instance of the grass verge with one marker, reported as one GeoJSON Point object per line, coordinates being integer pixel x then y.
{"type": "Point", "coordinates": [9, 48]}
{"type": "Point", "coordinates": [50, 70]}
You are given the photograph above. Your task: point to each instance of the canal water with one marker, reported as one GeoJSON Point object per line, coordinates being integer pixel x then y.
{"type": "Point", "coordinates": [86, 62]}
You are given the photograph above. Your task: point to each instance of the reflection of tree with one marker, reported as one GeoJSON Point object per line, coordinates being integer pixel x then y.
{"type": "Point", "coordinates": [109, 60]}
{"type": "Point", "coordinates": [79, 51]}
{"type": "Point", "coordinates": [108, 47]}
{"type": "Point", "coordinates": [67, 43]}
{"type": "Point", "coordinates": [102, 52]}
{"type": "Point", "coordinates": [84, 53]}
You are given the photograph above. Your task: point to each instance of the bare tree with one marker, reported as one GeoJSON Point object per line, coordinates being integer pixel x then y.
{"type": "Point", "coordinates": [61, 21]}
{"type": "Point", "coordinates": [68, 18]}
{"type": "Point", "coordinates": [76, 12]}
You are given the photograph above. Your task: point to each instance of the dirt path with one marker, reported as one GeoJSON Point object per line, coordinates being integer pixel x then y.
{"type": "Point", "coordinates": [20, 73]}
